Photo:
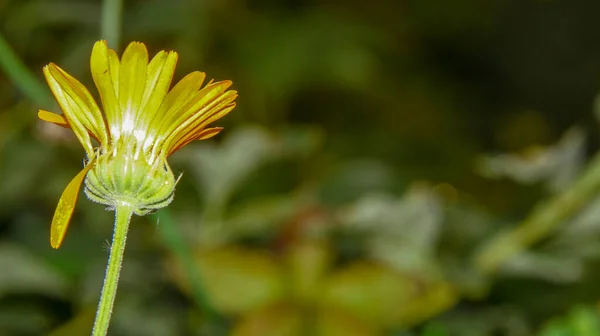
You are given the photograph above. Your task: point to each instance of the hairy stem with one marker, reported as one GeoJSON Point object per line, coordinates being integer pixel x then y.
{"type": "Point", "coordinates": [111, 279]}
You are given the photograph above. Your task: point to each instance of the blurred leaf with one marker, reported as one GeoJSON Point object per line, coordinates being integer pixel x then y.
{"type": "Point", "coordinates": [375, 294]}
{"type": "Point", "coordinates": [237, 280]}
{"type": "Point", "coordinates": [434, 329]}
{"type": "Point", "coordinates": [136, 317]}
{"type": "Point", "coordinates": [480, 321]}
{"type": "Point", "coordinates": [221, 170]}
{"type": "Point", "coordinates": [557, 165]}
{"type": "Point", "coordinates": [258, 216]}
{"type": "Point", "coordinates": [581, 321]}
{"type": "Point", "coordinates": [23, 318]}
{"type": "Point", "coordinates": [279, 320]}
{"type": "Point", "coordinates": [80, 324]}
{"type": "Point", "coordinates": [402, 232]}
{"type": "Point", "coordinates": [22, 169]}
{"type": "Point", "coordinates": [25, 273]}
{"type": "Point", "coordinates": [331, 322]}
{"type": "Point", "coordinates": [308, 263]}
{"type": "Point", "coordinates": [553, 268]}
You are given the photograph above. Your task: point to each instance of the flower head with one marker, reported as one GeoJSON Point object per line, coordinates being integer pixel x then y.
{"type": "Point", "coordinates": [141, 123]}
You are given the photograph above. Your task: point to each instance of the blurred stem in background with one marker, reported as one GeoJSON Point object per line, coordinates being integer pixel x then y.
{"type": "Point", "coordinates": [112, 11]}
{"type": "Point", "coordinates": [175, 243]}
{"type": "Point", "coordinates": [541, 221]}
{"type": "Point", "coordinates": [23, 79]}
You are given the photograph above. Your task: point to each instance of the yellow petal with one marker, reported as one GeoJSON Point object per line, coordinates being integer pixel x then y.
{"type": "Point", "coordinates": [132, 82]}
{"type": "Point", "coordinates": [65, 207]}
{"type": "Point", "coordinates": [179, 96]}
{"type": "Point", "coordinates": [53, 118]}
{"type": "Point", "coordinates": [160, 73]}
{"type": "Point", "coordinates": [105, 65]}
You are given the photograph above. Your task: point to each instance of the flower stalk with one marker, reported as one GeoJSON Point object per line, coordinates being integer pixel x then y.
{"type": "Point", "coordinates": [123, 214]}
{"type": "Point", "coordinates": [143, 120]}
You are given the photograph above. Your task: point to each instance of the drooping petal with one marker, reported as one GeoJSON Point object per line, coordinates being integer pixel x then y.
{"type": "Point", "coordinates": [65, 207]}
{"type": "Point", "coordinates": [91, 117]}
{"type": "Point", "coordinates": [78, 105]}
{"type": "Point", "coordinates": [54, 118]}
{"type": "Point", "coordinates": [105, 65]}
{"type": "Point", "coordinates": [132, 82]}
{"type": "Point", "coordinates": [58, 120]}
{"type": "Point", "coordinates": [203, 134]}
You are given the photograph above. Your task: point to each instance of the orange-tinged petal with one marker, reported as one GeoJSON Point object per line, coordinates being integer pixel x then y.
{"type": "Point", "coordinates": [53, 118]}
{"type": "Point", "coordinates": [201, 135]}
{"type": "Point", "coordinates": [65, 207]}
{"type": "Point", "coordinates": [183, 119]}
{"type": "Point", "coordinates": [209, 133]}
{"type": "Point", "coordinates": [175, 101]}
{"type": "Point", "coordinates": [214, 110]}
{"type": "Point", "coordinates": [209, 94]}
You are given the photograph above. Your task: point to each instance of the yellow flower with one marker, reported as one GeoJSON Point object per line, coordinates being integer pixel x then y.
{"type": "Point", "coordinates": [142, 124]}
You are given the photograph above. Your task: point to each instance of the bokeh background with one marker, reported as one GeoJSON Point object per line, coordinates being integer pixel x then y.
{"type": "Point", "coordinates": [392, 168]}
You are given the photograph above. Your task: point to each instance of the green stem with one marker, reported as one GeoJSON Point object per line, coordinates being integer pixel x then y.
{"type": "Point", "coordinates": [23, 79]}
{"type": "Point", "coordinates": [111, 279]}
{"type": "Point", "coordinates": [179, 248]}
{"type": "Point", "coordinates": [112, 11]}
{"type": "Point", "coordinates": [542, 221]}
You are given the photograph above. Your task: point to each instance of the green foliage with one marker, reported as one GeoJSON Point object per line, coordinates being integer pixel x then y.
{"type": "Point", "coordinates": [409, 168]}
{"type": "Point", "coordinates": [581, 321]}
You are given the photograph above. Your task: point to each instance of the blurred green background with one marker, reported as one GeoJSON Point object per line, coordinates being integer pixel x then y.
{"type": "Point", "coordinates": [409, 168]}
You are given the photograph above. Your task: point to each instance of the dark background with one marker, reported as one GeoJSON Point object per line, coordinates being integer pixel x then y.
{"type": "Point", "coordinates": [377, 151]}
